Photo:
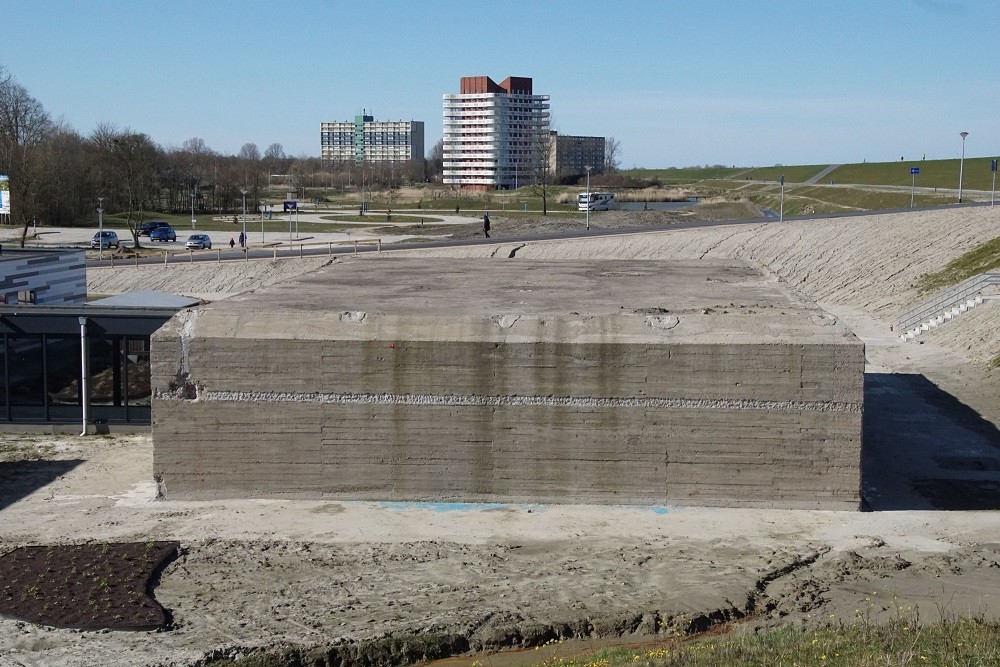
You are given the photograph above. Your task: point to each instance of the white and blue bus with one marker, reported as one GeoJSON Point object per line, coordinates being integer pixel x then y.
{"type": "Point", "coordinates": [596, 201]}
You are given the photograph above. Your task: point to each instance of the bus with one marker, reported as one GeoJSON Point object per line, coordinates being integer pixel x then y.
{"type": "Point", "coordinates": [598, 201]}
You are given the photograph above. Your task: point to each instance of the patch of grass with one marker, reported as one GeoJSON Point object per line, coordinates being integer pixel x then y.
{"type": "Point", "coordinates": [13, 450]}
{"type": "Point", "coordinates": [683, 175]}
{"type": "Point", "coordinates": [810, 199]}
{"type": "Point", "coordinates": [374, 218]}
{"type": "Point", "coordinates": [933, 173]}
{"type": "Point", "coordinates": [792, 173]}
{"type": "Point", "coordinates": [984, 258]}
{"type": "Point", "coordinates": [902, 642]}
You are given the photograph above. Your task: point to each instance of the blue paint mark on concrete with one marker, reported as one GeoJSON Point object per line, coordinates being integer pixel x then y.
{"type": "Point", "coordinates": [400, 506]}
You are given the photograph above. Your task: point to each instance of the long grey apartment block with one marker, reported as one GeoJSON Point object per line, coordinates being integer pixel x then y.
{"type": "Point", "coordinates": [618, 382]}
{"type": "Point", "coordinates": [49, 277]}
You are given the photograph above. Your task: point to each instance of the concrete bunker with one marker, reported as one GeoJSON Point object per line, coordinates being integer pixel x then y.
{"type": "Point", "coordinates": [620, 382]}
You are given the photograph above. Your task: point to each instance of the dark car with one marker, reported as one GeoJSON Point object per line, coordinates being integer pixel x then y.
{"type": "Point", "coordinates": [146, 228]}
{"type": "Point", "coordinates": [163, 234]}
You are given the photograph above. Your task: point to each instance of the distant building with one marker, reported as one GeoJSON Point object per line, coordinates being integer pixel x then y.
{"type": "Point", "coordinates": [572, 155]}
{"type": "Point", "coordinates": [43, 276]}
{"type": "Point", "coordinates": [494, 134]}
{"type": "Point", "coordinates": [368, 140]}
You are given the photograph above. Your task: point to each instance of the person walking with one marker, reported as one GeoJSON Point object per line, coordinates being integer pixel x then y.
{"type": "Point", "coordinates": [232, 243]}
{"type": "Point", "coordinates": [242, 240]}
{"type": "Point", "coordinates": [486, 224]}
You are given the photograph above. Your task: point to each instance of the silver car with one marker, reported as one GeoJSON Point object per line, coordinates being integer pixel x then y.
{"type": "Point", "coordinates": [105, 240]}
{"type": "Point", "coordinates": [198, 242]}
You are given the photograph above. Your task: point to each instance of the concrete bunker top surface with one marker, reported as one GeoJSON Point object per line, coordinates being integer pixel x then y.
{"type": "Point", "coordinates": [512, 300]}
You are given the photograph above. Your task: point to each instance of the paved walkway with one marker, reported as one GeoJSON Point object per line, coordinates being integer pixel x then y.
{"type": "Point", "coordinates": [81, 236]}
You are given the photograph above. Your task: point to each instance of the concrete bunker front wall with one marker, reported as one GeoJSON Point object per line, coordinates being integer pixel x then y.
{"type": "Point", "coordinates": [738, 425]}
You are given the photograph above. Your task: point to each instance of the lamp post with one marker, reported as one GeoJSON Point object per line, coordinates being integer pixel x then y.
{"type": "Point", "coordinates": [246, 250]}
{"type": "Point", "coordinates": [961, 166]}
{"type": "Point", "coordinates": [781, 209]}
{"type": "Point", "coordinates": [100, 226]}
{"type": "Point", "coordinates": [192, 209]}
{"type": "Point", "coordinates": [588, 167]}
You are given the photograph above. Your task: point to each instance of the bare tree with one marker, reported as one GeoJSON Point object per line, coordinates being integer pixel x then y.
{"type": "Point", "coordinates": [24, 127]}
{"type": "Point", "coordinates": [249, 160]}
{"type": "Point", "coordinates": [435, 161]}
{"type": "Point", "coordinates": [130, 168]}
{"type": "Point", "coordinates": [543, 149]}
{"type": "Point", "coordinates": [612, 155]}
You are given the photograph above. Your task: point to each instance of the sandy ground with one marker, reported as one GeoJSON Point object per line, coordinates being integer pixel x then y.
{"type": "Point", "coordinates": [264, 572]}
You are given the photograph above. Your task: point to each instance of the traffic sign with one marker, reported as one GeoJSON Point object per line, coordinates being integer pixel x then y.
{"type": "Point", "coordinates": [914, 170]}
{"type": "Point", "coordinates": [993, 165]}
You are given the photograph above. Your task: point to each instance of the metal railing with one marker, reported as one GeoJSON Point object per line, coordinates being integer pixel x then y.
{"type": "Point", "coordinates": [946, 299]}
{"type": "Point", "coordinates": [279, 250]}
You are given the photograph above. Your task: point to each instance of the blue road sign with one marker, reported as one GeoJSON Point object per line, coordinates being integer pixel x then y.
{"type": "Point", "coordinates": [993, 165]}
{"type": "Point", "coordinates": [914, 170]}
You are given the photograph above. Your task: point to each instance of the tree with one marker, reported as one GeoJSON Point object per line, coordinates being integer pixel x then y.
{"type": "Point", "coordinates": [249, 161]}
{"type": "Point", "coordinates": [130, 163]}
{"type": "Point", "coordinates": [435, 162]}
{"type": "Point", "coordinates": [543, 157]}
{"type": "Point", "coordinates": [24, 128]}
{"type": "Point", "coordinates": [612, 155]}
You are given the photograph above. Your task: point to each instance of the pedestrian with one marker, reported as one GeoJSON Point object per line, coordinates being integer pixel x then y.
{"type": "Point", "coordinates": [242, 240]}
{"type": "Point", "coordinates": [232, 243]}
{"type": "Point", "coordinates": [486, 224]}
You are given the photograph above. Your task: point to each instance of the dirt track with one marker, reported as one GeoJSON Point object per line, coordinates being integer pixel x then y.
{"type": "Point", "coordinates": [261, 573]}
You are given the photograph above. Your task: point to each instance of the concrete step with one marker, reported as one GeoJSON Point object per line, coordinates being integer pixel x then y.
{"type": "Point", "coordinates": [947, 316]}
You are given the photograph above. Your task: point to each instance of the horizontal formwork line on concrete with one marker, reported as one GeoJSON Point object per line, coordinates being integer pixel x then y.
{"type": "Point", "coordinates": [514, 401]}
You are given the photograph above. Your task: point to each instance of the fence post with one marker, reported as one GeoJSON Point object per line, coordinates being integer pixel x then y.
{"type": "Point", "coordinates": [219, 253]}
{"type": "Point", "coordinates": [190, 256]}
{"type": "Point", "coordinates": [355, 247]}
{"type": "Point", "coordinates": [300, 250]}
{"type": "Point", "coordinates": [136, 258]}
{"type": "Point", "coordinates": [165, 255]}
{"type": "Point", "coordinates": [331, 249]}
{"type": "Point", "coordinates": [378, 244]}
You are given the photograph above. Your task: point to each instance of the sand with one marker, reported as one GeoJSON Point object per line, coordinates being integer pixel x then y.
{"type": "Point", "coordinates": [263, 573]}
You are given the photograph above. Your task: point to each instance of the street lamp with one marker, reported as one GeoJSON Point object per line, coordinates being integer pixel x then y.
{"type": "Point", "coordinates": [243, 191]}
{"type": "Point", "coordinates": [781, 209]}
{"type": "Point", "coordinates": [588, 168]}
{"type": "Point", "coordinates": [192, 209]}
{"type": "Point", "coordinates": [100, 226]}
{"type": "Point", "coordinates": [961, 166]}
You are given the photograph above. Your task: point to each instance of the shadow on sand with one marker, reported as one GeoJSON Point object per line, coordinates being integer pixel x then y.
{"type": "Point", "coordinates": [22, 478]}
{"type": "Point", "coordinates": [924, 449]}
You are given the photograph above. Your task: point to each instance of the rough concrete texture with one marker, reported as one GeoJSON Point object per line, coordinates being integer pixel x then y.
{"type": "Point", "coordinates": [643, 382]}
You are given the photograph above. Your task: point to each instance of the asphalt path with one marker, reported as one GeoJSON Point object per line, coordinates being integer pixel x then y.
{"type": "Point", "coordinates": [367, 246]}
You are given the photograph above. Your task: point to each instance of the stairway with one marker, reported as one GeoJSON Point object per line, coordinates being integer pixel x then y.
{"type": "Point", "coordinates": [946, 305]}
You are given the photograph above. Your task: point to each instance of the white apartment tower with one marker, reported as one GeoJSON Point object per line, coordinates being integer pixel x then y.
{"type": "Point", "coordinates": [494, 134]}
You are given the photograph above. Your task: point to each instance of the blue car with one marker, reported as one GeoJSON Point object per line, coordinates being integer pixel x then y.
{"type": "Point", "coordinates": [163, 234]}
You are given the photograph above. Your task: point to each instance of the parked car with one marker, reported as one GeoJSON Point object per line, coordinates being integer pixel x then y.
{"type": "Point", "coordinates": [163, 234]}
{"type": "Point", "coordinates": [104, 240]}
{"type": "Point", "coordinates": [198, 242]}
{"type": "Point", "coordinates": [147, 227]}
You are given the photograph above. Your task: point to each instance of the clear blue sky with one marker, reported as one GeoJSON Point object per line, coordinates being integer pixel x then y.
{"type": "Point", "coordinates": [678, 82]}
